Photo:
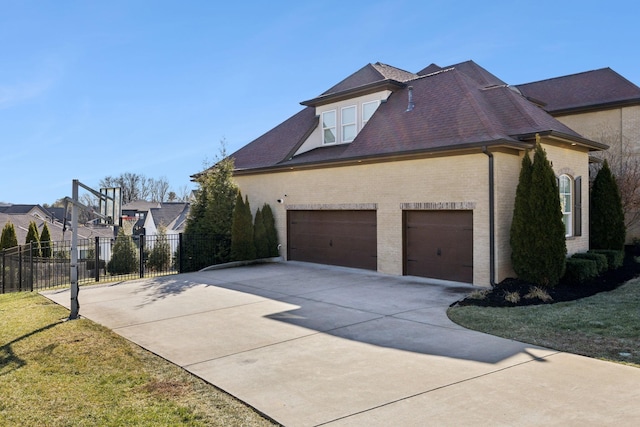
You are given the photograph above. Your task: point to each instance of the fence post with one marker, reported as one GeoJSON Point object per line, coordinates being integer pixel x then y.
{"type": "Point", "coordinates": [31, 266]}
{"type": "Point", "coordinates": [180, 252]}
{"type": "Point", "coordinates": [19, 268]}
{"type": "Point", "coordinates": [141, 255]}
{"type": "Point", "coordinates": [96, 251]}
{"type": "Point", "coordinates": [4, 275]}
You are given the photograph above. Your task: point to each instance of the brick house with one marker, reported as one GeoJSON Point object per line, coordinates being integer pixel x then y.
{"type": "Point", "coordinates": [600, 105]}
{"type": "Point", "coordinates": [411, 173]}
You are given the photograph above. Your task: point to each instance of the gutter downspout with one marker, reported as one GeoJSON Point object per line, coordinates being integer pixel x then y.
{"type": "Point", "coordinates": [492, 239]}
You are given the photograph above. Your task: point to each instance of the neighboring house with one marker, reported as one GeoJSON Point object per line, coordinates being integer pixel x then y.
{"type": "Point", "coordinates": [21, 215]}
{"type": "Point", "coordinates": [172, 216]}
{"type": "Point", "coordinates": [148, 217]}
{"type": "Point", "coordinates": [600, 105]}
{"type": "Point", "coordinates": [411, 173]}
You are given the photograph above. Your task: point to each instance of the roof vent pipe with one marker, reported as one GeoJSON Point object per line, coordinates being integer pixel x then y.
{"type": "Point", "coordinates": [411, 104]}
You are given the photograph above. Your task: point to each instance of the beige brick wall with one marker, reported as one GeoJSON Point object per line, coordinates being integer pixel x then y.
{"type": "Point", "coordinates": [442, 182]}
{"type": "Point", "coordinates": [610, 127]}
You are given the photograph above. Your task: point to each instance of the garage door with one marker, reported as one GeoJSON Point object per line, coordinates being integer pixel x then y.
{"type": "Point", "coordinates": [343, 237]}
{"type": "Point", "coordinates": [439, 244]}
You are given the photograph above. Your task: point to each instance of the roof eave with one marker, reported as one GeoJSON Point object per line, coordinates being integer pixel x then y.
{"type": "Point", "coordinates": [385, 157]}
{"type": "Point", "coordinates": [595, 107]}
{"type": "Point", "coordinates": [564, 137]}
{"type": "Point", "coordinates": [387, 84]}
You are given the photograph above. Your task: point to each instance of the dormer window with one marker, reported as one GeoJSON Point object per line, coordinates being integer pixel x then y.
{"type": "Point", "coordinates": [329, 127]}
{"type": "Point", "coordinates": [368, 108]}
{"type": "Point", "coordinates": [348, 121]}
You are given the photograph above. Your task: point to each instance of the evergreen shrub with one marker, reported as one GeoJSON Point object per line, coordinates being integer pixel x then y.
{"type": "Point", "coordinates": [579, 270]}
{"type": "Point", "coordinates": [601, 260]}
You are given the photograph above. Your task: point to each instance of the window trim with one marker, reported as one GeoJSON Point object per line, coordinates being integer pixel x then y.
{"type": "Point", "coordinates": [343, 125]}
{"type": "Point", "coordinates": [568, 212]}
{"type": "Point", "coordinates": [334, 127]}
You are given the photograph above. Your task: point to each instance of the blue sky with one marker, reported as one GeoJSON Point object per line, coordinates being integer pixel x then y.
{"type": "Point", "coordinates": [96, 88]}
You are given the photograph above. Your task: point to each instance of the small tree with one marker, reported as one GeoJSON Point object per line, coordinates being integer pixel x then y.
{"type": "Point", "coordinates": [606, 217]}
{"type": "Point", "coordinates": [45, 241]}
{"type": "Point", "coordinates": [33, 237]}
{"type": "Point", "coordinates": [124, 259]}
{"type": "Point", "coordinates": [211, 214]}
{"type": "Point", "coordinates": [242, 246]}
{"type": "Point", "coordinates": [8, 238]}
{"type": "Point", "coordinates": [260, 236]}
{"type": "Point", "coordinates": [270, 230]}
{"type": "Point", "coordinates": [540, 247]}
{"type": "Point", "coordinates": [160, 256]}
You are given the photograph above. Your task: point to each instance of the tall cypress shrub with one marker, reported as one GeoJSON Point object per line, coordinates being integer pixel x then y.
{"type": "Point", "coordinates": [33, 237]}
{"type": "Point", "coordinates": [270, 230]}
{"type": "Point", "coordinates": [242, 245]}
{"type": "Point", "coordinates": [606, 217]}
{"type": "Point", "coordinates": [539, 243]}
{"type": "Point", "coordinates": [45, 241]}
{"type": "Point", "coordinates": [208, 229]}
{"type": "Point", "coordinates": [260, 236]}
{"type": "Point", "coordinates": [9, 238]}
{"type": "Point", "coordinates": [521, 235]}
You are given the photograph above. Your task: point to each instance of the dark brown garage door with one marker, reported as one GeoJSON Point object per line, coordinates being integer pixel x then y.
{"type": "Point", "coordinates": [345, 238]}
{"type": "Point", "coordinates": [439, 244]}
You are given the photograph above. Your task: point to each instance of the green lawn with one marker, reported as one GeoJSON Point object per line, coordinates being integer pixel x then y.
{"type": "Point", "coordinates": [77, 373]}
{"type": "Point", "coordinates": [605, 326]}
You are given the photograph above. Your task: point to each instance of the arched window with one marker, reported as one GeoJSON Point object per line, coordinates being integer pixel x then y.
{"type": "Point", "coordinates": [565, 184]}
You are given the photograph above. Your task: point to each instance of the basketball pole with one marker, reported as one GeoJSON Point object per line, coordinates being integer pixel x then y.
{"type": "Point", "coordinates": [75, 205]}
{"type": "Point", "coordinates": [75, 289]}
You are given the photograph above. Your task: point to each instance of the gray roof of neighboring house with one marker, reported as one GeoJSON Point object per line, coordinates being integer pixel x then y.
{"type": "Point", "coordinates": [455, 107]}
{"type": "Point", "coordinates": [589, 90]}
{"type": "Point", "coordinates": [170, 214]}
{"type": "Point", "coordinates": [140, 206]}
{"type": "Point", "coordinates": [21, 225]}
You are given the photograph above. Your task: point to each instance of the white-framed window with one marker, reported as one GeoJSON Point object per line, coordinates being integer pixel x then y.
{"type": "Point", "coordinates": [368, 108]}
{"type": "Point", "coordinates": [565, 186]}
{"type": "Point", "coordinates": [329, 127]}
{"type": "Point", "coordinates": [348, 123]}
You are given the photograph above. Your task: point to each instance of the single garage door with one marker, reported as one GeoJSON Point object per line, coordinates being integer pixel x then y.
{"type": "Point", "coordinates": [439, 244]}
{"type": "Point", "coordinates": [336, 237]}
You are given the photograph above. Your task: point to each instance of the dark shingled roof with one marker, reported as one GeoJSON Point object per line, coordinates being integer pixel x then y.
{"type": "Point", "coordinates": [371, 73]}
{"type": "Point", "coordinates": [582, 91]}
{"type": "Point", "coordinates": [455, 107]}
{"type": "Point", "coordinates": [277, 144]}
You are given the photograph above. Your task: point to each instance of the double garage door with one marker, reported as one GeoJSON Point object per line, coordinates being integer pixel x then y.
{"type": "Point", "coordinates": [437, 244]}
{"type": "Point", "coordinates": [342, 237]}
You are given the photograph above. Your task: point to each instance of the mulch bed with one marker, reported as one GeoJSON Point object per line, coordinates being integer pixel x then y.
{"type": "Point", "coordinates": [563, 291]}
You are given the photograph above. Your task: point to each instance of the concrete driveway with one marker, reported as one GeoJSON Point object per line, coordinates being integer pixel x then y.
{"type": "Point", "coordinates": [312, 345]}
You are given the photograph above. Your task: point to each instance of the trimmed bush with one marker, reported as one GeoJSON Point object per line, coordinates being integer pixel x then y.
{"type": "Point", "coordinates": [9, 238]}
{"type": "Point", "coordinates": [270, 230]}
{"type": "Point", "coordinates": [579, 270]}
{"type": "Point", "coordinates": [538, 242]}
{"type": "Point", "coordinates": [33, 237]}
{"type": "Point", "coordinates": [242, 244]}
{"type": "Point", "coordinates": [615, 259]}
{"type": "Point", "coordinates": [606, 216]}
{"type": "Point", "coordinates": [601, 260]}
{"type": "Point", "coordinates": [260, 236]}
{"type": "Point", "coordinates": [124, 259]}
{"type": "Point", "coordinates": [45, 241]}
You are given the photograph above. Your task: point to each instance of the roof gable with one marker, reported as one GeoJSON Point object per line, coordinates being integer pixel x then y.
{"type": "Point", "coordinates": [371, 73]}
{"type": "Point", "coordinates": [588, 90]}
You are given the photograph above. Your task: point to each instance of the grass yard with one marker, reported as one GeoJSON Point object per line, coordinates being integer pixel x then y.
{"type": "Point", "coordinates": [604, 326]}
{"type": "Point", "coordinates": [77, 373]}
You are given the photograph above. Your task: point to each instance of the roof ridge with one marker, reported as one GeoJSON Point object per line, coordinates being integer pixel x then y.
{"type": "Point", "coordinates": [484, 118]}
{"type": "Point", "coordinates": [568, 75]}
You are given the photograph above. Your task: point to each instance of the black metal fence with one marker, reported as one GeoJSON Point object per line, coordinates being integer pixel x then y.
{"type": "Point", "coordinates": [33, 268]}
